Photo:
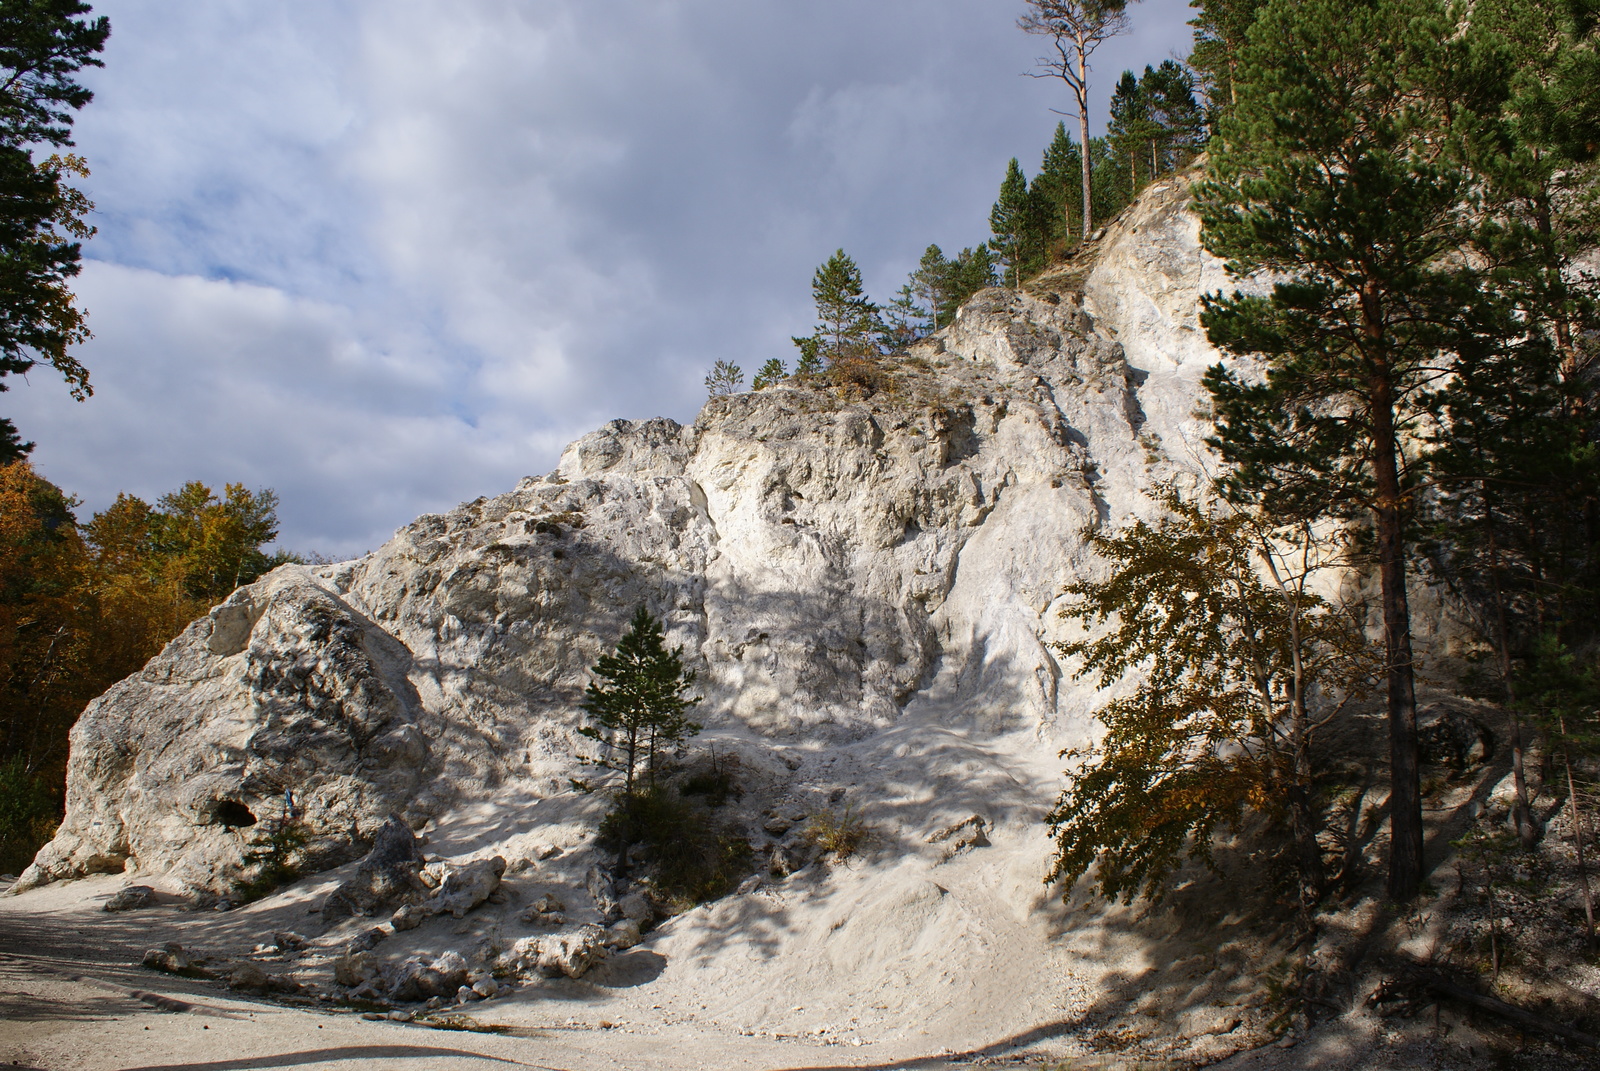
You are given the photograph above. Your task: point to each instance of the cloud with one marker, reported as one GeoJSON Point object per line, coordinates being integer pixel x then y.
{"type": "Point", "coordinates": [234, 382]}
{"type": "Point", "coordinates": [384, 257]}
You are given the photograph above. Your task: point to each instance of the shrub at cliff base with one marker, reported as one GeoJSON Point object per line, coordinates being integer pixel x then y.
{"type": "Point", "coordinates": [686, 851]}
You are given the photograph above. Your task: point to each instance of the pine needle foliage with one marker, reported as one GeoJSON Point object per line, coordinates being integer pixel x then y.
{"type": "Point", "coordinates": [1238, 665]}
{"type": "Point", "coordinates": [769, 375]}
{"type": "Point", "coordinates": [724, 378]}
{"type": "Point", "coordinates": [43, 46]}
{"type": "Point", "coordinates": [639, 706]}
{"type": "Point", "coordinates": [848, 322]}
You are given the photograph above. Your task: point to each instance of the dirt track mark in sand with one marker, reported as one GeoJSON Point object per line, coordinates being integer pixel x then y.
{"type": "Point", "coordinates": [347, 1052]}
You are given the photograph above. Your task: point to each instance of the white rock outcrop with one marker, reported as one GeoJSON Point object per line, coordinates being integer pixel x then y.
{"type": "Point", "coordinates": [834, 568]}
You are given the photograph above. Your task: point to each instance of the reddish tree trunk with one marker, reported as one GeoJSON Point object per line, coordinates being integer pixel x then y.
{"type": "Point", "coordinates": [1405, 779]}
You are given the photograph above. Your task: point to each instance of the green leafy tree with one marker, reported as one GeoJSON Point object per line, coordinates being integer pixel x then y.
{"type": "Point", "coordinates": [848, 322]}
{"type": "Point", "coordinates": [1240, 665]}
{"type": "Point", "coordinates": [43, 44]}
{"type": "Point", "coordinates": [1340, 107]}
{"type": "Point", "coordinates": [724, 378]}
{"type": "Point", "coordinates": [28, 814]}
{"type": "Point", "coordinates": [84, 605]}
{"type": "Point", "coordinates": [216, 543]}
{"type": "Point", "coordinates": [770, 375]}
{"type": "Point", "coordinates": [639, 704]}
{"type": "Point", "coordinates": [1075, 29]}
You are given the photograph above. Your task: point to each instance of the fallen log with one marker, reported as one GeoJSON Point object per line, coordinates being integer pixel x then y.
{"type": "Point", "coordinates": [1510, 1012]}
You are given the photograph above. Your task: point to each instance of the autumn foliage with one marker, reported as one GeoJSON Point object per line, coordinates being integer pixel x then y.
{"type": "Point", "coordinates": [1238, 662]}
{"type": "Point", "coordinates": [83, 605]}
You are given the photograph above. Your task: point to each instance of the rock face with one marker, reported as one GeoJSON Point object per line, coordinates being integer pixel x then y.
{"type": "Point", "coordinates": [831, 566]}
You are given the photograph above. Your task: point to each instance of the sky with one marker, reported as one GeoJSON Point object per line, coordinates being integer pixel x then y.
{"type": "Point", "coordinates": [385, 256]}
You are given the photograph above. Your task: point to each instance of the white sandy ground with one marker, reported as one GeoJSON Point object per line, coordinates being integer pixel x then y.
{"type": "Point", "coordinates": [71, 1000]}
{"type": "Point", "coordinates": [886, 961]}
{"type": "Point", "coordinates": [901, 958]}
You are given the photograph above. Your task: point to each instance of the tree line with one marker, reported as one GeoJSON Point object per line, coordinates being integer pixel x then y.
{"type": "Point", "coordinates": [1157, 125]}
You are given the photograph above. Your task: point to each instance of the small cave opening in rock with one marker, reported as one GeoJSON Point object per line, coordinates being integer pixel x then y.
{"type": "Point", "coordinates": [232, 814]}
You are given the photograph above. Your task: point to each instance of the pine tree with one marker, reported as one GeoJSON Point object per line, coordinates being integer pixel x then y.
{"type": "Point", "coordinates": [43, 44]}
{"type": "Point", "coordinates": [971, 271]}
{"type": "Point", "coordinates": [724, 378]}
{"type": "Point", "coordinates": [810, 362]}
{"type": "Point", "coordinates": [1059, 186]}
{"type": "Point", "coordinates": [1012, 220]}
{"type": "Point", "coordinates": [1075, 29]}
{"type": "Point", "coordinates": [1109, 192]}
{"type": "Point", "coordinates": [1219, 34]}
{"type": "Point", "coordinates": [1175, 115]}
{"type": "Point", "coordinates": [848, 323]}
{"type": "Point", "coordinates": [641, 708]}
{"type": "Point", "coordinates": [1339, 109]}
{"type": "Point", "coordinates": [1506, 470]}
{"type": "Point", "coordinates": [929, 285]}
{"type": "Point", "coordinates": [1156, 124]}
{"type": "Point", "coordinates": [905, 320]}
{"type": "Point", "coordinates": [1131, 127]}
{"type": "Point", "coordinates": [770, 375]}
{"type": "Point", "coordinates": [1516, 512]}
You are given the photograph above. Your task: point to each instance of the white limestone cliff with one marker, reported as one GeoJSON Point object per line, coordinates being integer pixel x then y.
{"type": "Point", "coordinates": [847, 576]}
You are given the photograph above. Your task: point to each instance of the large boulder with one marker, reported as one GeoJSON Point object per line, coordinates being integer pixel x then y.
{"type": "Point", "coordinates": [286, 703]}
{"type": "Point", "coordinates": [570, 953]}
{"type": "Point", "coordinates": [132, 898]}
{"type": "Point", "coordinates": [418, 978]}
{"type": "Point", "coordinates": [1449, 736]}
{"type": "Point", "coordinates": [467, 886]}
{"type": "Point", "coordinates": [388, 873]}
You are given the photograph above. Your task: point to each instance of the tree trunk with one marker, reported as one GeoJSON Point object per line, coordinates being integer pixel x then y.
{"type": "Point", "coordinates": [1082, 92]}
{"type": "Point", "coordinates": [1521, 811]}
{"type": "Point", "coordinates": [1300, 802]}
{"type": "Point", "coordinates": [1405, 780]}
{"type": "Point", "coordinates": [1302, 813]}
{"type": "Point", "coordinates": [1577, 834]}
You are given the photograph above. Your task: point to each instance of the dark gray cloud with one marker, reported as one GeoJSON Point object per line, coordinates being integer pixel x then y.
{"type": "Point", "coordinates": [383, 257]}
